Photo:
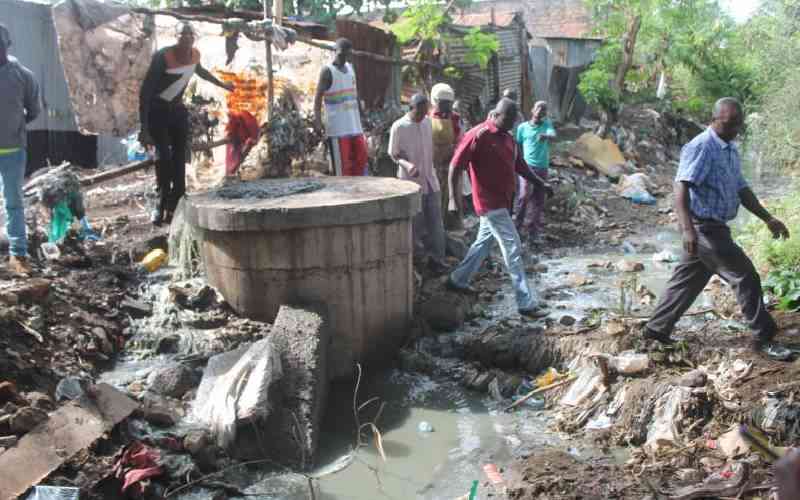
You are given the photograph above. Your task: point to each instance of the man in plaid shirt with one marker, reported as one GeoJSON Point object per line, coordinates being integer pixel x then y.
{"type": "Point", "coordinates": [709, 188]}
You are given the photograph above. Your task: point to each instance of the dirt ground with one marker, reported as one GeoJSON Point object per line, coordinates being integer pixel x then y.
{"type": "Point", "coordinates": [82, 306]}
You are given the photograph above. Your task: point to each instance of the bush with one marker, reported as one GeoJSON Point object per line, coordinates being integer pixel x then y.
{"type": "Point", "coordinates": [769, 254]}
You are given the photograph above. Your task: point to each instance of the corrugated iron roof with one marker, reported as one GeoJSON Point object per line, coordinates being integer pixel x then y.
{"type": "Point", "coordinates": [501, 19]}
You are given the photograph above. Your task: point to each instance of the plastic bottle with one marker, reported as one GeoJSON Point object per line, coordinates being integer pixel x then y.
{"type": "Point", "coordinates": [154, 260]}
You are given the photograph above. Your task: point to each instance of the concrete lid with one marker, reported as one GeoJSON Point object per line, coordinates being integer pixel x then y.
{"type": "Point", "coordinates": [281, 204]}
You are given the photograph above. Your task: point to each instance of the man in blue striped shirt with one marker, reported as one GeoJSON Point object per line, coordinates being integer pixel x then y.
{"type": "Point", "coordinates": [709, 188]}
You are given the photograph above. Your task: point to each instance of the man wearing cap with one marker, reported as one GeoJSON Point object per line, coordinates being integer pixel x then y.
{"type": "Point", "coordinates": [337, 87]}
{"type": "Point", "coordinates": [446, 126]}
{"type": "Point", "coordinates": [411, 147]}
{"type": "Point", "coordinates": [19, 105]}
{"type": "Point", "coordinates": [493, 159]}
{"type": "Point", "coordinates": [164, 118]}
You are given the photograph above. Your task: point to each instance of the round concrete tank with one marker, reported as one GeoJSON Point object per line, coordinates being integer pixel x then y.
{"type": "Point", "coordinates": [344, 242]}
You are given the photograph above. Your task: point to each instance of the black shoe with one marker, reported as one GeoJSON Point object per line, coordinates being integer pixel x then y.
{"type": "Point", "coordinates": [540, 311]}
{"type": "Point", "coordinates": [157, 216]}
{"type": "Point", "coordinates": [663, 338]}
{"type": "Point", "coordinates": [772, 349]}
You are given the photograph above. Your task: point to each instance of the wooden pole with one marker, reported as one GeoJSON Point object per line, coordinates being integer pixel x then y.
{"type": "Point", "coordinates": [270, 77]}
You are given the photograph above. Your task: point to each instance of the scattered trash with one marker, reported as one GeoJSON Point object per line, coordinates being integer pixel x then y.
{"type": "Point", "coordinates": [69, 388]}
{"type": "Point", "coordinates": [424, 427]}
{"type": "Point", "coordinates": [630, 363]}
{"type": "Point", "coordinates": [636, 187]}
{"type": "Point", "coordinates": [629, 266]}
{"type": "Point", "coordinates": [628, 247]}
{"type": "Point", "coordinates": [137, 463]}
{"type": "Point", "coordinates": [50, 251]}
{"type": "Point", "coordinates": [725, 483]}
{"type": "Point", "coordinates": [154, 260]}
{"type": "Point", "coordinates": [70, 429]}
{"type": "Point", "coordinates": [494, 476]}
{"type": "Point", "coordinates": [235, 387]}
{"type": "Point", "coordinates": [668, 412]}
{"type": "Point", "coordinates": [600, 422]}
{"type": "Point", "coordinates": [665, 256]}
{"type": "Point", "coordinates": [589, 381]}
{"type": "Point", "coordinates": [54, 493]}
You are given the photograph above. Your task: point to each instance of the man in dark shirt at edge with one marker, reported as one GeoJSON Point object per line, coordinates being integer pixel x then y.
{"type": "Point", "coordinates": [494, 160]}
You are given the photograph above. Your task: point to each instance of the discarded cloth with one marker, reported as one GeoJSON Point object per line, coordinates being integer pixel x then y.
{"type": "Point", "coordinates": [137, 463]}
{"type": "Point", "coordinates": [242, 131]}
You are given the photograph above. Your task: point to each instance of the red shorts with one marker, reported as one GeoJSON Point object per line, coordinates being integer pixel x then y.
{"type": "Point", "coordinates": [348, 155]}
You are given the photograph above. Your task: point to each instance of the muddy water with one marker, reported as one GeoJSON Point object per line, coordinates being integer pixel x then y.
{"type": "Point", "coordinates": [469, 430]}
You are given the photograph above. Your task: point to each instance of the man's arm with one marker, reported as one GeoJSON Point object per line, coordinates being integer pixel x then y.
{"type": "Point", "coordinates": [209, 77]}
{"type": "Point", "coordinates": [524, 171]}
{"type": "Point", "coordinates": [682, 199]}
{"type": "Point", "coordinates": [751, 203]}
{"type": "Point", "coordinates": [146, 93]}
{"type": "Point", "coordinates": [33, 106]}
{"type": "Point", "coordinates": [396, 152]}
{"type": "Point", "coordinates": [460, 160]}
{"type": "Point", "coordinates": [324, 83]}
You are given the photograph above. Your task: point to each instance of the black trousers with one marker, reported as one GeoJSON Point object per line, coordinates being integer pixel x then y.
{"type": "Point", "coordinates": [717, 253]}
{"type": "Point", "coordinates": [169, 128]}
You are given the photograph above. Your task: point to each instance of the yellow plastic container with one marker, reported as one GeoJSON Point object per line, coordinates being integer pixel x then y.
{"type": "Point", "coordinates": [154, 260]}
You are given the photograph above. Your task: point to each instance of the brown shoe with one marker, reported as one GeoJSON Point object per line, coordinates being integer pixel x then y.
{"type": "Point", "coordinates": [19, 265]}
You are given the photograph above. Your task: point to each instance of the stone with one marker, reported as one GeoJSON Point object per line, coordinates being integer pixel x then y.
{"type": "Point", "coordinates": [168, 344]}
{"type": "Point", "coordinates": [567, 320]}
{"type": "Point", "coordinates": [8, 441]}
{"type": "Point", "coordinates": [172, 380]}
{"type": "Point", "coordinates": [694, 378]}
{"type": "Point", "coordinates": [8, 392]}
{"type": "Point", "coordinates": [445, 311]}
{"type": "Point", "coordinates": [195, 441]}
{"type": "Point", "coordinates": [102, 337]}
{"type": "Point", "coordinates": [41, 401]}
{"type": "Point", "coordinates": [158, 411]}
{"type": "Point", "coordinates": [9, 409]}
{"type": "Point", "coordinates": [629, 266]}
{"type": "Point", "coordinates": [26, 419]}
{"type": "Point", "coordinates": [482, 381]}
{"type": "Point", "coordinates": [137, 309]}
{"type": "Point", "coordinates": [33, 291]}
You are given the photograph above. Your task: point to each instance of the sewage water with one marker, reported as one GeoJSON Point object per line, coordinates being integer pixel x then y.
{"type": "Point", "coordinates": [469, 429]}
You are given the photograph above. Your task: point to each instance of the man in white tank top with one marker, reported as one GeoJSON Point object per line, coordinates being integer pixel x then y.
{"type": "Point", "coordinates": [337, 87]}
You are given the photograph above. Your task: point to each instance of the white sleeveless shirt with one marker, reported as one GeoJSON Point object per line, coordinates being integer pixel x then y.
{"type": "Point", "coordinates": [341, 103]}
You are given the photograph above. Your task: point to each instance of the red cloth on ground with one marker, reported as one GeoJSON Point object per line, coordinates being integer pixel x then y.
{"type": "Point", "coordinates": [242, 130]}
{"type": "Point", "coordinates": [137, 463]}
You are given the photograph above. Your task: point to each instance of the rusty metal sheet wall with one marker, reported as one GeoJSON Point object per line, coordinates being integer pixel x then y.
{"type": "Point", "coordinates": [373, 77]}
{"type": "Point", "coordinates": [509, 60]}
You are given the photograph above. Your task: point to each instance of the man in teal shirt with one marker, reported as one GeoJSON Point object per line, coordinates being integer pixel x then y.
{"type": "Point", "coordinates": [534, 138]}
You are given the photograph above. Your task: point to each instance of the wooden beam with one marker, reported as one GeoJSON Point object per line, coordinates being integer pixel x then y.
{"type": "Point", "coordinates": [301, 39]}
{"type": "Point", "coordinates": [139, 165]}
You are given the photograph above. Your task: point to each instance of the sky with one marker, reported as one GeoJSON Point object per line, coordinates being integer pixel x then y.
{"type": "Point", "coordinates": [741, 9]}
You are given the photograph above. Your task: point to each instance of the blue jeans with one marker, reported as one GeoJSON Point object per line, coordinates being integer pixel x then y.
{"type": "Point", "coordinates": [497, 225]}
{"type": "Point", "coordinates": [12, 170]}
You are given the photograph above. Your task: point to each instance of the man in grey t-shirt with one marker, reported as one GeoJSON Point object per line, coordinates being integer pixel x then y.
{"type": "Point", "coordinates": [19, 105]}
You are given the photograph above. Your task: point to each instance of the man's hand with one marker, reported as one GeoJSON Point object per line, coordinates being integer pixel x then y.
{"type": "Point", "coordinates": [145, 139]}
{"type": "Point", "coordinates": [787, 473]}
{"type": "Point", "coordinates": [690, 240]}
{"type": "Point", "coordinates": [778, 229]}
{"type": "Point", "coordinates": [412, 169]}
{"type": "Point", "coordinates": [318, 125]}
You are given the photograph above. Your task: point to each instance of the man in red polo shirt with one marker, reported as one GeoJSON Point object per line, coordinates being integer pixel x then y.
{"type": "Point", "coordinates": [494, 161]}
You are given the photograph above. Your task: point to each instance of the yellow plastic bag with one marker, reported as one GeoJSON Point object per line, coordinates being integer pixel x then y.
{"type": "Point", "coordinates": [154, 260]}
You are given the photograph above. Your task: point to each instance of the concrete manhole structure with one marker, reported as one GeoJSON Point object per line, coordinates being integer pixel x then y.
{"type": "Point", "coordinates": [340, 241]}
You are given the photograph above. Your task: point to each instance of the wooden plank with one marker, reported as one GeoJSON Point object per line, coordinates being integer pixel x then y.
{"type": "Point", "coordinates": [70, 429]}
